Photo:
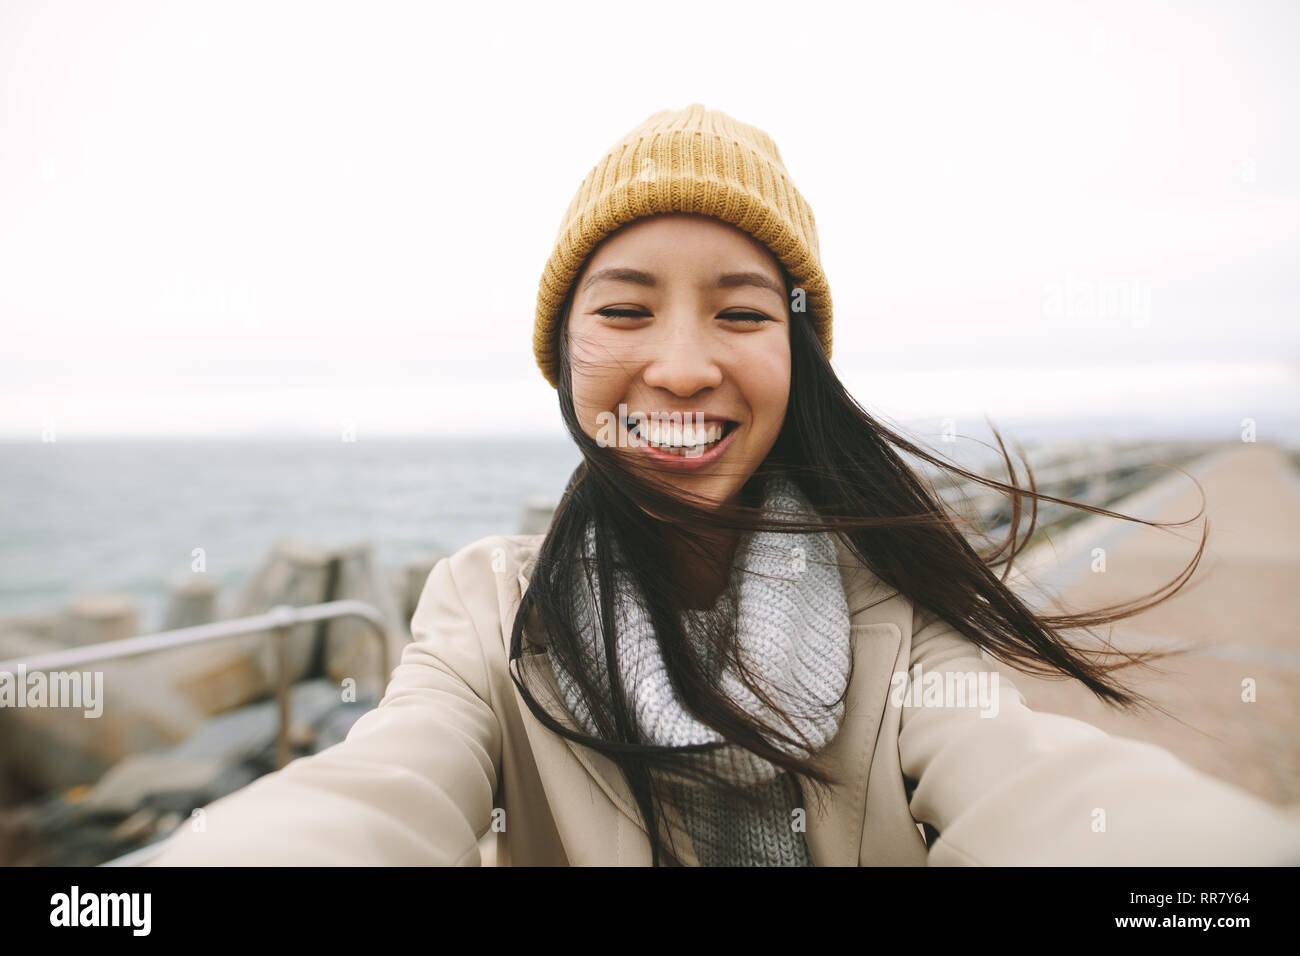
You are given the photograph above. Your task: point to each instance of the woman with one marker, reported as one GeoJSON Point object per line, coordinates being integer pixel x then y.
{"type": "Point", "coordinates": [788, 669]}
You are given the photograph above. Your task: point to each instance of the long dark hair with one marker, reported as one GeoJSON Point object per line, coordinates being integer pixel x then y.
{"type": "Point", "coordinates": [848, 465]}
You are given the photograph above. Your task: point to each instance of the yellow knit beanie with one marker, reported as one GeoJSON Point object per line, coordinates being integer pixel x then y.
{"type": "Point", "coordinates": [692, 160]}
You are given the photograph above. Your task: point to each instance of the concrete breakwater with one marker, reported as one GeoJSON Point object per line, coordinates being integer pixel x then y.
{"type": "Point", "coordinates": [179, 728]}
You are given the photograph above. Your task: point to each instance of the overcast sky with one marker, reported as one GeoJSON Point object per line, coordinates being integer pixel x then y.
{"type": "Point", "coordinates": [225, 218]}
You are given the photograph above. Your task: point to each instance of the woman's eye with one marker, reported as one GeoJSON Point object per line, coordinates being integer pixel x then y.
{"type": "Point", "coordinates": [613, 313]}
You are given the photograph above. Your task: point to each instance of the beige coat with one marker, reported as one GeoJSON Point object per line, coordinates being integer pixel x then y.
{"type": "Point", "coordinates": [452, 752]}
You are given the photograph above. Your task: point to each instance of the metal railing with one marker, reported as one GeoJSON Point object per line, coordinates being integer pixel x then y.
{"type": "Point", "coordinates": [278, 622]}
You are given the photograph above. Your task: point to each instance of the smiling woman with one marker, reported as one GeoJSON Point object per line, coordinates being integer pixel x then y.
{"type": "Point", "coordinates": [712, 625]}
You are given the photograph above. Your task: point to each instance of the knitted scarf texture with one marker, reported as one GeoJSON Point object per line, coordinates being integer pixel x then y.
{"type": "Point", "coordinates": [786, 598]}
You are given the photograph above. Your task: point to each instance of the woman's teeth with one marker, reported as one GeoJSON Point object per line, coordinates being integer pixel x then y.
{"type": "Point", "coordinates": [680, 439]}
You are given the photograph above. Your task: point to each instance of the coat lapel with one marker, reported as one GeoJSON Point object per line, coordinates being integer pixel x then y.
{"type": "Point", "coordinates": [834, 825]}
{"type": "Point", "coordinates": [551, 749]}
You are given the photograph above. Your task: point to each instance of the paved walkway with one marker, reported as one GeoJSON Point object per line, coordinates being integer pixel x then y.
{"type": "Point", "coordinates": [1241, 609]}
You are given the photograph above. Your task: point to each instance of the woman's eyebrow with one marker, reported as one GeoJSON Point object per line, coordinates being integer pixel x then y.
{"type": "Point", "coordinates": [731, 280]}
{"type": "Point", "coordinates": [728, 280]}
{"type": "Point", "coordinates": [618, 274]}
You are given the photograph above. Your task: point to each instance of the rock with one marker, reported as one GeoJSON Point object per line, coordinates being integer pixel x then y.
{"type": "Point", "coordinates": [296, 574]}
{"type": "Point", "coordinates": [96, 617]}
{"type": "Point", "coordinates": [414, 576]}
{"type": "Point", "coordinates": [193, 601]}
{"type": "Point", "coordinates": [244, 733]}
{"type": "Point", "coordinates": [313, 701]}
{"type": "Point", "coordinates": [161, 784]}
{"type": "Point", "coordinates": [137, 826]}
{"type": "Point", "coordinates": [38, 625]}
{"type": "Point", "coordinates": [144, 797]}
{"type": "Point", "coordinates": [232, 672]}
{"type": "Point", "coordinates": [351, 646]}
{"type": "Point", "coordinates": [334, 729]}
{"type": "Point", "coordinates": [184, 800]}
{"type": "Point", "coordinates": [166, 823]}
{"type": "Point", "coordinates": [215, 677]}
{"type": "Point", "coordinates": [232, 736]}
{"type": "Point", "coordinates": [126, 788]}
{"type": "Point", "coordinates": [17, 837]}
{"type": "Point", "coordinates": [301, 736]}
{"type": "Point", "coordinates": [52, 748]}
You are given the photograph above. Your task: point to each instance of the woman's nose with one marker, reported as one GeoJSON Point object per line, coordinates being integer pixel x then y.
{"type": "Point", "coordinates": [683, 362]}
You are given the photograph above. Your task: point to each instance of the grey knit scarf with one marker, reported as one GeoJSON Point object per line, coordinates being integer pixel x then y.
{"type": "Point", "coordinates": [787, 599]}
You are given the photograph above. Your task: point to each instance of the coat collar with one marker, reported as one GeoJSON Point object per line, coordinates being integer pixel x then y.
{"type": "Point", "coordinates": [834, 824]}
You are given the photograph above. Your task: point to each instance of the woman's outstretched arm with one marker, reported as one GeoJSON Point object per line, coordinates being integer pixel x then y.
{"type": "Point", "coordinates": [411, 785]}
{"type": "Point", "coordinates": [1033, 788]}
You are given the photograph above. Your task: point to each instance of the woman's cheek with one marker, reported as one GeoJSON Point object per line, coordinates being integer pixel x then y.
{"type": "Point", "coordinates": [767, 381]}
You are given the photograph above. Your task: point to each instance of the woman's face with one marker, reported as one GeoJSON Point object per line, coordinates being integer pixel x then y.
{"type": "Point", "coordinates": [683, 314]}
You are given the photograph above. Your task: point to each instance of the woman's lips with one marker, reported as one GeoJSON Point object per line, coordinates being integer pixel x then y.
{"type": "Point", "coordinates": [683, 462]}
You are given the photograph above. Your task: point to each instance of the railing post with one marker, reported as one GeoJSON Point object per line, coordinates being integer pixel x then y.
{"type": "Point", "coordinates": [284, 613]}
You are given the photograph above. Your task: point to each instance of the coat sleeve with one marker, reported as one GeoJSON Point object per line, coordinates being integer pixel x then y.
{"type": "Point", "coordinates": [1034, 788]}
{"type": "Point", "coordinates": [412, 784]}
